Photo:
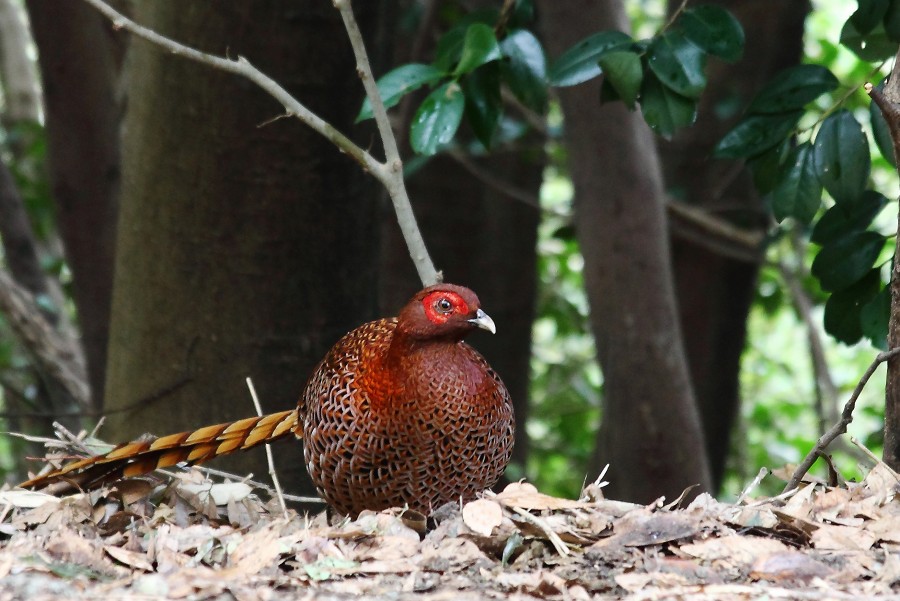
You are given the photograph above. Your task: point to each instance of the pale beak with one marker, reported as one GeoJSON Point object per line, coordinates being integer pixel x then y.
{"type": "Point", "coordinates": [484, 321]}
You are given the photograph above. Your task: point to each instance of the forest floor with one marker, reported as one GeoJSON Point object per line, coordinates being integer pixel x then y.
{"type": "Point", "coordinates": [191, 538]}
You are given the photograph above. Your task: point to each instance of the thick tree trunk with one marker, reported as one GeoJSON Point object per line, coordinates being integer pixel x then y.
{"type": "Point", "coordinates": [247, 243]}
{"type": "Point", "coordinates": [715, 289]}
{"type": "Point", "coordinates": [480, 237]}
{"type": "Point", "coordinates": [650, 434]}
{"type": "Point", "coordinates": [78, 60]}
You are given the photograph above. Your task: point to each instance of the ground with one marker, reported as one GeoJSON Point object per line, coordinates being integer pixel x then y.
{"type": "Point", "coordinates": [188, 537]}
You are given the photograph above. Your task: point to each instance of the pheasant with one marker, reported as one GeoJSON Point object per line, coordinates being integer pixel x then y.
{"type": "Point", "coordinates": [400, 412]}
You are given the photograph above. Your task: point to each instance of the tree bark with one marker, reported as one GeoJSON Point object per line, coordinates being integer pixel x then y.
{"type": "Point", "coordinates": [21, 92]}
{"type": "Point", "coordinates": [891, 451]}
{"type": "Point", "coordinates": [650, 434]}
{"type": "Point", "coordinates": [78, 61]}
{"type": "Point", "coordinates": [247, 243]}
{"type": "Point", "coordinates": [715, 290]}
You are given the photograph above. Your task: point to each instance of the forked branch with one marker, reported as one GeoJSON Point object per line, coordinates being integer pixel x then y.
{"type": "Point", "coordinates": [841, 426]}
{"type": "Point", "coordinates": [388, 173]}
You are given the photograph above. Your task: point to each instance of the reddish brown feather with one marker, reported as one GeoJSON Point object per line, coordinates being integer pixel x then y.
{"type": "Point", "coordinates": [399, 412]}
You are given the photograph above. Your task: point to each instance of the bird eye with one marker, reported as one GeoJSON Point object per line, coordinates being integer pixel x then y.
{"type": "Point", "coordinates": [444, 306]}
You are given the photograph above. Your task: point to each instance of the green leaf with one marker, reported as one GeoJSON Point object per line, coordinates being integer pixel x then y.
{"type": "Point", "coordinates": [438, 118]}
{"type": "Point", "coordinates": [756, 134]}
{"type": "Point", "coordinates": [845, 218]}
{"type": "Point", "coordinates": [892, 21]}
{"type": "Point", "coordinates": [622, 69]}
{"type": "Point", "coordinates": [869, 13]}
{"type": "Point", "coordinates": [843, 311]}
{"type": "Point", "coordinates": [873, 46]}
{"type": "Point", "coordinates": [766, 167]}
{"type": "Point", "coordinates": [874, 318]}
{"type": "Point", "coordinates": [394, 84]}
{"type": "Point", "coordinates": [798, 193]}
{"type": "Point", "coordinates": [483, 105]}
{"type": "Point", "coordinates": [714, 30]}
{"type": "Point", "coordinates": [449, 48]}
{"type": "Point", "coordinates": [882, 134]}
{"type": "Point", "coordinates": [678, 63]}
{"type": "Point", "coordinates": [479, 47]}
{"type": "Point", "coordinates": [842, 156]}
{"type": "Point", "coordinates": [847, 260]}
{"type": "Point", "coordinates": [526, 70]}
{"type": "Point", "coordinates": [793, 88]}
{"type": "Point", "coordinates": [579, 63]}
{"type": "Point", "coordinates": [664, 110]}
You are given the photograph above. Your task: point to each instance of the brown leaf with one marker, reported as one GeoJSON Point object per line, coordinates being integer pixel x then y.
{"type": "Point", "coordinates": [482, 516]}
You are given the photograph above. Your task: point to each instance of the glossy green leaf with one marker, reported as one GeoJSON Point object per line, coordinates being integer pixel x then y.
{"type": "Point", "coordinates": [766, 167]}
{"type": "Point", "coordinates": [479, 47]}
{"type": "Point", "coordinates": [793, 88]}
{"type": "Point", "coordinates": [842, 156]}
{"type": "Point", "coordinates": [845, 218]}
{"type": "Point", "coordinates": [714, 30]}
{"type": "Point", "coordinates": [579, 63]}
{"type": "Point", "coordinates": [396, 83]}
{"type": "Point", "coordinates": [449, 48]}
{"type": "Point", "coordinates": [892, 21]}
{"type": "Point", "coordinates": [438, 118]}
{"type": "Point", "coordinates": [525, 71]}
{"type": "Point", "coordinates": [798, 193]}
{"type": "Point", "coordinates": [664, 110]}
{"type": "Point", "coordinates": [874, 46]}
{"type": "Point", "coordinates": [678, 63]}
{"type": "Point", "coordinates": [847, 260]}
{"type": "Point", "coordinates": [869, 13]}
{"type": "Point", "coordinates": [875, 316]}
{"type": "Point", "coordinates": [756, 134]}
{"type": "Point", "coordinates": [483, 105]}
{"type": "Point", "coordinates": [622, 70]}
{"type": "Point", "coordinates": [843, 311]}
{"type": "Point", "coordinates": [882, 134]}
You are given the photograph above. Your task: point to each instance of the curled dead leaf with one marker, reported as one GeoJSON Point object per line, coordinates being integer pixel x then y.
{"type": "Point", "coordinates": [482, 516]}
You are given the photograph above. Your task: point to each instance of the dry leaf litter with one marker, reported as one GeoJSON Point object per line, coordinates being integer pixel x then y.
{"type": "Point", "coordinates": [192, 538]}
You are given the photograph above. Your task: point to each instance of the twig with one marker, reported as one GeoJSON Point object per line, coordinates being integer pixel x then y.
{"type": "Point", "coordinates": [763, 472]}
{"type": "Point", "coordinates": [389, 174]}
{"type": "Point", "coordinates": [841, 426]}
{"type": "Point", "coordinates": [552, 536]}
{"type": "Point", "coordinates": [715, 234]}
{"type": "Point", "coordinates": [271, 460]}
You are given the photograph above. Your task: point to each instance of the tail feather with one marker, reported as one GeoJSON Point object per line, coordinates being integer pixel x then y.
{"type": "Point", "coordinates": [141, 457]}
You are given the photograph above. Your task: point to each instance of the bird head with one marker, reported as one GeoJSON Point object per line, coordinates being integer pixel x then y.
{"type": "Point", "coordinates": [443, 311]}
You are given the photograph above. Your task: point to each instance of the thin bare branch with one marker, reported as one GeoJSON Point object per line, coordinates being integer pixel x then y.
{"type": "Point", "coordinates": [841, 426]}
{"type": "Point", "coordinates": [390, 173]}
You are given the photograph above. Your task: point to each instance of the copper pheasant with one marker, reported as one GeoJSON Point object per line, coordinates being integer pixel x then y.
{"type": "Point", "coordinates": [399, 412]}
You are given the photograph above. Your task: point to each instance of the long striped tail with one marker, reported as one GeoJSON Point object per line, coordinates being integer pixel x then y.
{"type": "Point", "coordinates": [198, 446]}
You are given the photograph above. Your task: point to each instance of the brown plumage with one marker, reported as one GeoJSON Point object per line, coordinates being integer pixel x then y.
{"type": "Point", "coordinates": [399, 412]}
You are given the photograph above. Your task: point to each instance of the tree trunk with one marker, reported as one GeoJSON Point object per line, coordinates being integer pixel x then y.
{"type": "Point", "coordinates": [79, 69]}
{"type": "Point", "coordinates": [247, 243]}
{"type": "Point", "coordinates": [650, 434]}
{"type": "Point", "coordinates": [715, 289]}
{"type": "Point", "coordinates": [891, 453]}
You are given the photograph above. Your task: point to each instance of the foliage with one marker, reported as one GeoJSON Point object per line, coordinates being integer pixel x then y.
{"type": "Point", "coordinates": [487, 49]}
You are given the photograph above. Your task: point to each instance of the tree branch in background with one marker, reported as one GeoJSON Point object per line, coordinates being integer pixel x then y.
{"type": "Point", "coordinates": [22, 95]}
{"type": "Point", "coordinates": [389, 173]}
{"type": "Point", "coordinates": [826, 390]}
{"type": "Point", "coordinates": [56, 356]}
{"type": "Point", "coordinates": [841, 426]}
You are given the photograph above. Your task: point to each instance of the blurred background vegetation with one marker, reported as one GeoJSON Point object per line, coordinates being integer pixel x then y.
{"type": "Point", "coordinates": [785, 404]}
